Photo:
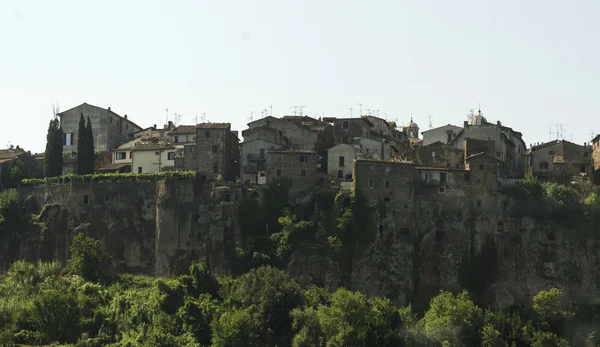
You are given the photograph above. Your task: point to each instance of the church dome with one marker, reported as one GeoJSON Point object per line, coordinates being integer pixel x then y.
{"type": "Point", "coordinates": [411, 124]}
{"type": "Point", "coordinates": [479, 119]}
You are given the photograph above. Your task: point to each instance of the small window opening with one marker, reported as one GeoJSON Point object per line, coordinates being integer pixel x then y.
{"type": "Point", "coordinates": [387, 199]}
{"type": "Point", "coordinates": [478, 203]}
{"type": "Point", "coordinates": [85, 199]}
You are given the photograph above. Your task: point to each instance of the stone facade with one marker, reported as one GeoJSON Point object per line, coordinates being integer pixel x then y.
{"type": "Point", "coordinates": [254, 159]}
{"type": "Point", "coordinates": [217, 151]}
{"type": "Point", "coordinates": [437, 154]}
{"type": "Point", "coordinates": [299, 166]}
{"type": "Point", "coordinates": [346, 129]}
{"type": "Point", "coordinates": [109, 129]}
{"type": "Point", "coordinates": [340, 158]}
{"type": "Point", "coordinates": [560, 160]}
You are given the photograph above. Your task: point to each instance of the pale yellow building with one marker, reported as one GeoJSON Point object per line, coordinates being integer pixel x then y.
{"type": "Point", "coordinates": [147, 158]}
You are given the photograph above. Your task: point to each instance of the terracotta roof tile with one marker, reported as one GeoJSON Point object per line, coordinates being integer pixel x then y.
{"type": "Point", "coordinates": [214, 125]}
{"type": "Point", "coordinates": [183, 129]}
{"type": "Point", "coordinates": [10, 153]}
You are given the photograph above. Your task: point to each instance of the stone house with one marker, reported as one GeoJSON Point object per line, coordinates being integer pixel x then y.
{"type": "Point", "coordinates": [216, 152]}
{"type": "Point", "coordinates": [560, 160]}
{"type": "Point", "coordinates": [254, 159]}
{"type": "Point", "coordinates": [299, 166]}
{"type": "Point", "coordinates": [346, 129]}
{"type": "Point", "coordinates": [109, 129]}
{"type": "Point", "coordinates": [437, 154]}
{"type": "Point", "coordinates": [182, 135]}
{"type": "Point", "coordinates": [148, 158]}
{"type": "Point", "coordinates": [444, 134]}
{"type": "Point", "coordinates": [381, 125]}
{"type": "Point", "coordinates": [509, 145]}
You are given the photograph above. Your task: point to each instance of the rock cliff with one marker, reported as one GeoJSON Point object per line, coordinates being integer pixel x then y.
{"type": "Point", "coordinates": [159, 227]}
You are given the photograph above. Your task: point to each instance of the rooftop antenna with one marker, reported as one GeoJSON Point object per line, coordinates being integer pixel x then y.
{"type": "Point", "coordinates": [368, 112]}
{"type": "Point", "coordinates": [265, 112]}
{"type": "Point", "coordinates": [377, 113]}
{"type": "Point", "coordinates": [251, 116]}
{"type": "Point", "coordinates": [360, 109]}
{"type": "Point", "coordinates": [549, 132]}
{"type": "Point", "coordinates": [592, 133]}
{"type": "Point", "coordinates": [203, 118]}
{"type": "Point", "coordinates": [177, 118]}
{"type": "Point", "coordinates": [471, 114]}
{"type": "Point", "coordinates": [167, 111]}
{"type": "Point", "coordinates": [430, 124]}
{"type": "Point", "coordinates": [571, 137]}
{"type": "Point", "coordinates": [350, 112]}
{"type": "Point", "coordinates": [296, 109]}
{"type": "Point", "coordinates": [271, 113]}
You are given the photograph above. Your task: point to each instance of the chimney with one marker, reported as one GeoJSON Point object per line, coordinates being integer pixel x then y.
{"type": "Point", "coordinates": [154, 126]}
{"type": "Point", "coordinates": [466, 124]}
{"type": "Point", "coordinates": [499, 124]}
{"type": "Point", "coordinates": [108, 108]}
{"type": "Point", "coordinates": [125, 116]}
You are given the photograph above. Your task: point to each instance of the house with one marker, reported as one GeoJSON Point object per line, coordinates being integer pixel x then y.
{"type": "Point", "coordinates": [509, 145]}
{"type": "Point", "coordinates": [109, 129]}
{"type": "Point", "coordinates": [340, 158]}
{"type": "Point", "coordinates": [298, 166]}
{"type": "Point", "coordinates": [444, 134]}
{"type": "Point", "coordinates": [182, 135]}
{"type": "Point", "coordinates": [29, 166]}
{"type": "Point", "coordinates": [346, 129]}
{"type": "Point", "coordinates": [254, 158]}
{"type": "Point", "coordinates": [148, 158]}
{"type": "Point", "coordinates": [216, 153]}
{"type": "Point", "coordinates": [560, 160]}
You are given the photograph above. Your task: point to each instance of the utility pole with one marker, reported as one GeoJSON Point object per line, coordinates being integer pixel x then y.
{"type": "Point", "coordinates": [167, 111]}
{"type": "Point", "coordinates": [430, 124]}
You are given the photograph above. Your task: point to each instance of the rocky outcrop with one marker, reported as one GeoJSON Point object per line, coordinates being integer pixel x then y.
{"type": "Point", "coordinates": [159, 227]}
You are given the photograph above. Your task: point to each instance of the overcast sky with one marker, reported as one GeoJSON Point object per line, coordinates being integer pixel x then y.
{"type": "Point", "coordinates": [530, 64]}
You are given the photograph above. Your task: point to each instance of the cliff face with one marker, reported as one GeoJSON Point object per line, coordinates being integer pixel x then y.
{"type": "Point", "coordinates": [159, 227]}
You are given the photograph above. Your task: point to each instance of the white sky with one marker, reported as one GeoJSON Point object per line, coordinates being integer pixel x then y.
{"type": "Point", "coordinates": [530, 64]}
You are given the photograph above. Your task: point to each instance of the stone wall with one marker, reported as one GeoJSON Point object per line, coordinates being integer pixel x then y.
{"type": "Point", "coordinates": [216, 152]}
{"type": "Point", "coordinates": [296, 165]}
{"type": "Point", "coordinates": [437, 154]}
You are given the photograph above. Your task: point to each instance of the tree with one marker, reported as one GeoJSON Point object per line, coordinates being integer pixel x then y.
{"type": "Point", "coordinates": [90, 147]}
{"type": "Point", "coordinates": [87, 258]}
{"type": "Point", "coordinates": [53, 159]}
{"type": "Point", "coordinates": [82, 147]}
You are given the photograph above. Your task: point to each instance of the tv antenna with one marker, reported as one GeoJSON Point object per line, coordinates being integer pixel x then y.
{"type": "Point", "coordinates": [430, 124]}
{"type": "Point", "coordinates": [167, 120]}
{"type": "Point", "coordinates": [251, 116]}
{"type": "Point", "coordinates": [377, 113]}
{"type": "Point", "coordinates": [264, 112]}
{"type": "Point", "coordinates": [350, 112]}
{"type": "Point", "coordinates": [360, 109]}
{"type": "Point", "coordinates": [177, 118]}
{"type": "Point", "coordinates": [592, 133]}
{"type": "Point", "coordinates": [298, 107]}
{"type": "Point", "coordinates": [471, 114]}
{"type": "Point", "coordinates": [271, 108]}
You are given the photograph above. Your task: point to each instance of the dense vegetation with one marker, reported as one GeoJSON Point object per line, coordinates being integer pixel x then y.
{"type": "Point", "coordinates": [111, 177]}
{"type": "Point", "coordinates": [80, 305]}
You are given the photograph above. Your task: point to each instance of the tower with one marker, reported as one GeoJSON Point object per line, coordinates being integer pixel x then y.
{"type": "Point", "coordinates": [412, 129]}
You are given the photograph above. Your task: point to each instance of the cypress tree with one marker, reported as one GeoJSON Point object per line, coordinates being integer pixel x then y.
{"type": "Point", "coordinates": [90, 147]}
{"type": "Point", "coordinates": [82, 147]}
{"type": "Point", "coordinates": [53, 159]}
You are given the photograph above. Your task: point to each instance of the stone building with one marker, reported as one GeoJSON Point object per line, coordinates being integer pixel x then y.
{"type": "Point", "coordinates": [437, 154]}
{"type": "Point", "coordinates": [253, 159]}
{"type": "Point", "coordinates": [444, 134]}
{"type": "Point", "coordinates": [216, 152]}
{"type": "Point", "coordinates": [299, 166]}
{"type": "Point", "coordinates": [182, 135]}
{"type": "Point", "coordinates": [509, 145]}
{"type": "Point", "coordinates": [381, 125]}
{"type": "Point", "coordinates": [560, 160]}
{"type": "Point", "coordinates": [109, 129]}
{"type": "Point", "coordinates": [346, 129]}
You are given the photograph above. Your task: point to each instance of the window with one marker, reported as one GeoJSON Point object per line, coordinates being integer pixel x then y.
{"type": "Point", "coordinates": [214, 148]}
{"type": "Point", "coordinates": [441, 189]}
{"type": "Point", "coordinates": [176, 139]}
{"type": "Point", "coordinates": [262, 174]}
{"type": "Point", "coordinates": [194, 138]}
{"type": "Point", "coordinates": [171, 156]}
{"type": "Point", "coordinates": [85, 199]}
{"type": "Point", "coordinates": [140, 169]}
{"type": "Point", "coordinates": [500, 227]}
{"type": "Point", "coordinates": [262, 152]}
{"type": "Point", "coordinates": [480, 166]}
{"type": "Point", "coordinates": [367, 151]}
{"type": "Point", "coordinates": [345, 125]}
{"type": "Point", "coordinates": [387, 199]}
{"type": "Point", "coordinates": [130, 153]}
{"type": "Point", "coordinates": [156, 153]}
{"type": "Point", "coordinates": [551, 153]}
{"type": "Point", "coordinates": [341, 160]}
{"type": "Point", "coordinates": [278, 172]}
{"type": "Point", "coordinates": [216, 168]}
{"type": "Point", "coordinates": [371, 184]}
{"type": "Point", "coordinates": [340, 173]}
{"type": "Point", "coordinates": [302, 172]}
{"type": "Point", "coordinates": [345, 139]}
{"type": "Point", "coordinates": [68, 139]}
{"type": "Point", "coordinates": [467, 177]}
{"type": "Point", "coordinates": [443, 178]}
{"type": "Point", "coordinates": [190, 149]}
{"type": "Point", "coordinates": [433, 154]}
{"type": "Point", "coordinates": [583, 169]}
{"type": "Point", "coordinates": [544, 165]}
{"type": "Point", "coordinates": [207, 133]}
{"type": "Point", "coordinates": [303, 159]}
{"type": "Point", "coordinates": [120, 155]}
{"type": "Point", "coordinates": [388, 184]}
{"type": "Point", "coordinates": [478, 203]}
{"type": "Point", "coordinates": [388, 170]}
{"type": "Point", "coordinates": [585, 154]}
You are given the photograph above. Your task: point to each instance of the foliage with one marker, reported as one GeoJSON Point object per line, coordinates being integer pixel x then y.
{"type": "Point", "coordinates": [89, 146]}
{"type": "Point", "coordinates": [53, 156]}
{"type": "Point", "coordinates": [547, 303]}
{"type": "Point", "coordinates": [85, 147]}
{"type": "Point", "coordinates": [112, 177]}
{"type": "Point", "coordinates": [87, 258]}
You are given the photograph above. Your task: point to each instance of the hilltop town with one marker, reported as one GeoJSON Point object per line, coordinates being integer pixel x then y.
{"type": "Point", "coordinates": [311, 152]}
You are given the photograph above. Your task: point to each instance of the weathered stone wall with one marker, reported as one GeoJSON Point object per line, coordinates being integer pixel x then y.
{"type": "Point", "coordinates": [346, 129]}
{"type": "Point", "coordinates": [437, 154]}
{"type": "Point", "coordinates": [217, 151]}
{"type": "Point", "coordinates": [288, 164]}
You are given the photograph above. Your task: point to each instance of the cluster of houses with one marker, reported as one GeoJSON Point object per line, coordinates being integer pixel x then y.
{"type": "Point", "coordinates": [315, 152]}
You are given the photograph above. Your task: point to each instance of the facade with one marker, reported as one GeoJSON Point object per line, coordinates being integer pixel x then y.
{"type": "Point", "coordinates": [560, 160]}
{"type": "Point", "coordinates": [216, 152]}
{"type": "Point", "coordinates": [182, 135]}
{"type": "Point", "coordinates": [340, 159]}
{"type": "Point", "coordinates": [437, 154]}
{"type": "Point", "coordinates": [444, 134]}
{"type": "Point", "coordinates": [509, 145]}
{"type": "Point", "coordinates": [299, 166]}
{"type": "Point", "coordinates": [254, 159]}
{"type": "Point", "coordinates": [381, 125]}
{"type": "Point", "coordinates": [346, 129]}
{"type": "Point", "coordinates": [147, 158]}
{"type": "Point", "coordinates": [109, 129]}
